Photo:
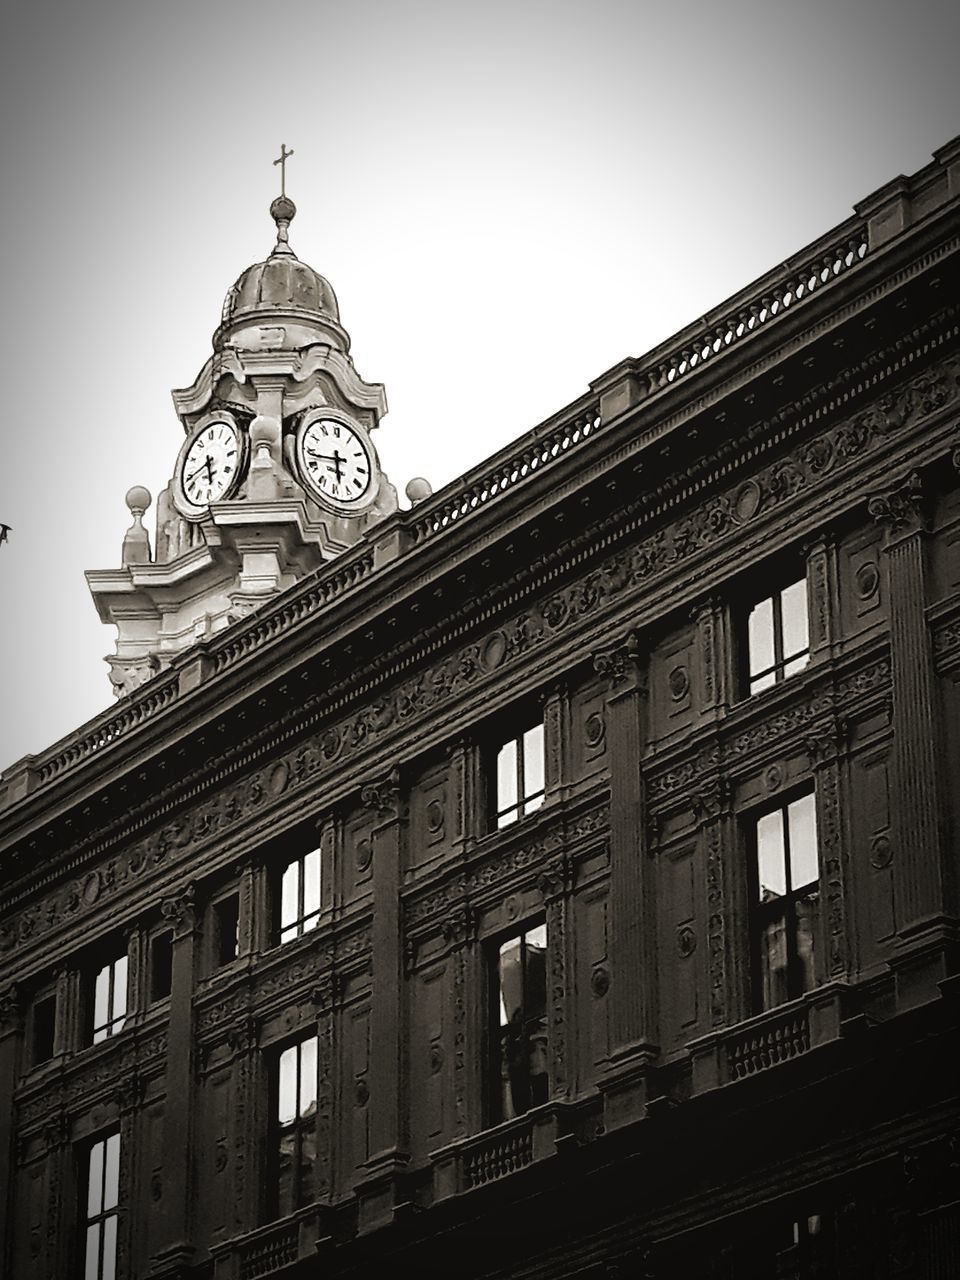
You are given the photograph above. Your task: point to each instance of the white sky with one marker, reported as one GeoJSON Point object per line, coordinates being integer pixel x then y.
{"type": "Point", "coordinates": [508, 198]}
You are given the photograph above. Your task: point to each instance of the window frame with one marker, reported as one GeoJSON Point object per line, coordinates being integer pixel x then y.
{"type": "Point", "coordinates": [494, 1078]}
{"type": "Point", "coordinates": [114, 1023]}
{"type": "Point", "coordinates": [525, 803]}
{"type": "Point", "coordinates": [304, 921]}
{"type": "Point", "coordinates": [783, 906]}
{"type": "Point", "coordinates": [48, 996]}
{"type": "Point", "coordinates": [216, 960]}
{"type": "Point", "coordinates": [299, 1127]}
{"type": "Point", "coordinates": [785, 581]}
{"type": "Point", "coordinates": [158, 936]}
{"type": "Point", "coordinates": [104, 1215]}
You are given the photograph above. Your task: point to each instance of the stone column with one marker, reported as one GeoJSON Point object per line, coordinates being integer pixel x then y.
{"type": "Point", "coordinates": [173, 1257]}
{"type": "Point", "coordinates": [920, 886]}
{"type": "Point", "coordinates": [61, 1194]}
{"type": "Point", "coordinates": [633, 989]}
{"type": "Point", "coordinates": [554, 741]}
{"type": "Point", "coordinates": [248, 910]}
{"type": "Point", "coordinates": [822, 600]}
{"type": "Point", "coordinates": [727, 929]}
{"type": "Point", "coordinates": [379, 1191]}
{"type": "Point", "coordinates": [250, 1126]}
{"type": "Point", "coordinates": [131, 1221]}
{"type": "Point", "coordinates": [713, 666]}
{"type": "Point", "coordinates": [555, 883]}
{"type": "Point", "coordinates": [11, 1026]}
{"type": "Point", "coordinates": [824, 749]}
{"type": "Point", "coordinates": [467, 995]}
{"type": "Point", "coordinates": [326, 998]}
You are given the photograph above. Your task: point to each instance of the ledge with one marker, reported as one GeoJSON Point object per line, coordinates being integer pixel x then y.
{"type": "Point", "coordinates": [496, 1153]}
{"type": "Point", "coordinates": [773, 1037]}
{"type": "Point", "coordinates": [271, 1248]}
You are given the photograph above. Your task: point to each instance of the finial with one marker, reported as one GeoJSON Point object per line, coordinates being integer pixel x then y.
{"type": "Point", "coordinates": [136, 542]}
{"type": "Point", "coordinates": [283, 210]}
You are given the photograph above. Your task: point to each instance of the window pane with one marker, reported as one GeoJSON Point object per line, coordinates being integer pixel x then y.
{"type": "Point", "coordinates": [95, 1180]}
{"type": "Point", "coordinates": [287, 1093]}
{"type": "Point", "coordinates": [533, 761]}
{"type": "Point", "coordinates": [771, 868]}
{"type": "Point", "coordinates": [110, 1248]}
{"type": "Point", "coordinates": [760, 637]}
{"type": "Point", "coordinates": [101, 998]}
{"type": "Point", "coordinates": [511, 982]}
{"type": "Point", "coordinates": [804, 866]}
{"type": "Point", "coordinates": [288, 894]}
{"type": "Point", "coordinates": [774, 976]}
{"type": "Point", "coordinates": [507, 776]}
{"type": "Point", "coordinates": [91, 1268]}
{"type": "Point", "coordinates": [287, 935]}
{"type": "Point", "coordinates": [308, 1077]}
{"type": "Point", "coordinates": [111, 1179]}
{"type": "Point", "coordinates": [808, 911]}
{"type": "Point", "coordinates": [793, 605]}
{"type": "Point", "coordinates": [535, 990]}
{"type": "Point", "coordinates": [796, 665]}
{"type": "Point", "coordinates": [764, 682]}
{"type": "Point", "coordinates": [286, 1157]}
{"type": "Point", "coordinates": [311, 883]}
{"type": "Point", "coordinates": [119, 990]}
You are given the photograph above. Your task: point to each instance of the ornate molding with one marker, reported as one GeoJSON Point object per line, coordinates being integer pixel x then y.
{"type": "Point", "coordinates": [627, 571]}
{"type": "Point", "coordinates": [11, 1009]}
{"type": "Point", "coordinates": [900, 510]}
{"type": "Point", "coordinates": [620, 661]}
{"type": "Point", "coordinates": [181, 911]}
{"type": "Point", "coordinates": [383, 794]}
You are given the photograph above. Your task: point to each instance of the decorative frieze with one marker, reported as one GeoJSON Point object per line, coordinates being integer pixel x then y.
{"type": "Point", "coordinates": [626, 570]}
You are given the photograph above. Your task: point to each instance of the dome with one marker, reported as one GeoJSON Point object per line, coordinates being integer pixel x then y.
{"type": "Point", "coordinates": [282, 284]}
{"type": "Point", "coordinates": [281, 288]}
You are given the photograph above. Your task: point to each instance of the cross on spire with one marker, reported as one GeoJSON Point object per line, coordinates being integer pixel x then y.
{"type": "Point", "coordinates": [281, 160]}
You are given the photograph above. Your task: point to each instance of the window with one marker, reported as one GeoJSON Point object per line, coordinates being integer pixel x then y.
{"type": "Point", "coordinates": [518, 783]}
{"type": "Point", "coordinates": [300, 896]}
{"type": "Point", "coordinates": [161, 966]}
{"type": "Point", "coordinates": [519, 1031]}
{"type": "Point", "coordinates": [103, 1182]}
{"type": "Point", "coordinates": [778, 637]}
{"type": "Point", "coordinates": [109, 999]}
{"type": "Point", "coordinates": [295, 1139]}
{"type": "Point", "coordinates": [226, 930]}
{"type": "Point", "coordinates": [43, 1030]}
{"type": "Point", "coordinates": [786, 902]}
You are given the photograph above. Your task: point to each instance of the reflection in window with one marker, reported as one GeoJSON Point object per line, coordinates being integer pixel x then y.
{"type": "Point", "coordinates": [295, 1117]}
{"type": "Point", "coordinates": [520, 980]}
{"type": "Point", "coordinates": [300, 896]}
{"type": "Point", "coordinates": [110, 999]}
{"type": "Point", "coordinates": [103, 1181]}
{"type": "Point", "coordinates": [519, 778]}
{"type": "Point", "coordinates": [778, 637]}
{"type": "Point", "coordinates": [788, 901]}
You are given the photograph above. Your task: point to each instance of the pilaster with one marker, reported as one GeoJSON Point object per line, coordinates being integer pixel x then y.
{"type": "Point", "coordinates": [460, 934]}
{"type": "Point", "coordinates": [249, 1121]}
{"type": "Point", "coordinates": [555, 884]}
{"type": "Point", "coordinates": [713, 668]}
{"type": "Point", "coordinates": [633, 990]}
{"type": "Point", "coordinates": [727, 973]}
{"type": "Point", "coordinates": [11, 1028]}
{"type": "Point", "coordinates": [174, 1254]}
{"type": "Point", "coordinates": [825, 749]}
{"type": "Point", "coordinates": [920, 885]}
{"type": "Point", "coordinates": [379, 1190]}
{"type": "Point", "coordinates": [823, 606]}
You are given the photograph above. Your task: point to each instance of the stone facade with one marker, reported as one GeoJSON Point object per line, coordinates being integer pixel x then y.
{"type": "Point", "coordinates": [595, 579]}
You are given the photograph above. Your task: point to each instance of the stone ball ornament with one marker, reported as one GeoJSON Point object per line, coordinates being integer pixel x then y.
{"type": "Point", "coordinates": [418, 490]}
{"type": "Point", "coordinates": [138, 499]}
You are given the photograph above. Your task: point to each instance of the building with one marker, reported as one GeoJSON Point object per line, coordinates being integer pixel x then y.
{"type": "Point", "coordinates": [555, 879]}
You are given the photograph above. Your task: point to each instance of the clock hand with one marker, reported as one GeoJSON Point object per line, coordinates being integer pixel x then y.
{"type": "Point", "coordinates": [336, 458]}
{"type": "Point", "coordinates": [208, 463]}
{"type": "Point", "coordinates": [194, 473]}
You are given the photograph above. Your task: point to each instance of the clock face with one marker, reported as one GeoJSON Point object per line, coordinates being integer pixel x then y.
{"type": "Point", "coordinates": [211, 463]}
{"type": "Point", "coordinates": [335, 461]}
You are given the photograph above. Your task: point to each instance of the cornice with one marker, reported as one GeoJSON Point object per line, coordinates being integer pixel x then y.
{"type": "Point", "coordinates": [608, 582]}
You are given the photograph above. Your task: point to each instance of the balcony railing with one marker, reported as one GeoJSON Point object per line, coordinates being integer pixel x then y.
{"type": "Point", "coordinates": [497, 1153]}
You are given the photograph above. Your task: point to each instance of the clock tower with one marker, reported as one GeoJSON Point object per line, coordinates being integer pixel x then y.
{"type": "Point", "coordinates": [276, 474]}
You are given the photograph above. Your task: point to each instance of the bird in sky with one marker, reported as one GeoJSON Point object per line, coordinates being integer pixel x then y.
{"type": "Point", "coordinates": [4, 530]}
